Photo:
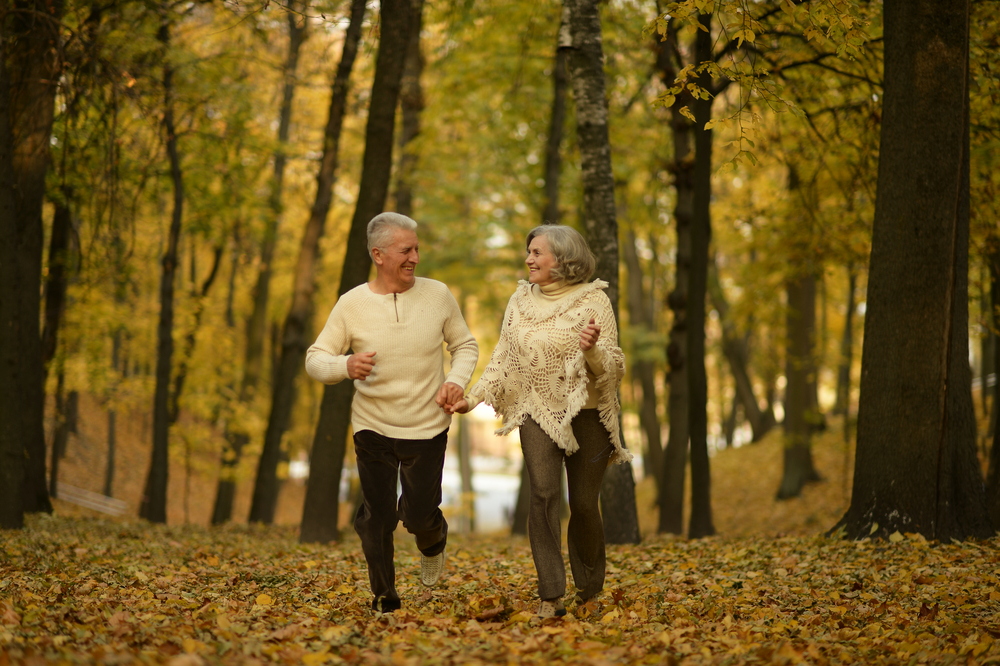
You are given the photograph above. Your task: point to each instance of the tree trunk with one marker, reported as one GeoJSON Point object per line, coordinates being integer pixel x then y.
{"type": "Point", "coordinates": [55, 282]}
{"type": "Point", "coordinates": [993, 472]}
{"type": "Point", "coordinates": [319, 514]}
{"type": "Point", "coordinates": [200, 297]}
{"type": "Point", "coordinates": [411, 102]}
{"type": "Point", "coordinates": [557, 124]}
{"type": "Point", "coordinates": [154, 497]}
{"type": "Point", "coordinates": [671, 490]}
{"type": "Point", "coordinates": [800, 368]}
{"type": "Point", "coordinates": [585, 60]}
{"type": "Point", "coordinates": [734, 348]}
{"type": "Point", "coordinates": [701, 233]}
{"type": "Point", "coordinates": [236, 436]}
{"type": "Point", "coordinates": [27, 99]}
{"type": "Point", "coordinates": [642, 368]}
{"type": "Point", "coordinates": [294, 339]}
{"type": "Point", "coordinates": [843, 405]}
{"type": "Point", "coordinates": [916, 468]}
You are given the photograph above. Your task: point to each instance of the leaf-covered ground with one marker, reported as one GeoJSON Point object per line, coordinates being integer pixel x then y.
{"type": "Point", "coordinates": [79, 590]}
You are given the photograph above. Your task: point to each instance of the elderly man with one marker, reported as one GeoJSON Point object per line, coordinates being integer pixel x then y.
{"type": "Point", "coordinates": [396, 326]}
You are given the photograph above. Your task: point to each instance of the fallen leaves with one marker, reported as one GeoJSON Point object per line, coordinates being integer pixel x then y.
{"type": "Point", "coordinates": [70, 589]}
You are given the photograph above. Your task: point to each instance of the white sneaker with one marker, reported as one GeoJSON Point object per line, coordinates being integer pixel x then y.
{"type": "Point", "coordinates": [431, 569]}
{"type": "Point", "coordinates": [551, 608]}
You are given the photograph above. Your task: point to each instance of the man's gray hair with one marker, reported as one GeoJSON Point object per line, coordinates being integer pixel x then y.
{"type": "Point", "coordinates": [576, 262]}
{"type": "Point", "coordinates": [383, 226]}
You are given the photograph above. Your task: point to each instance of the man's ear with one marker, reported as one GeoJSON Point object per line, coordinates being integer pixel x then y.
{"type": "Point", "coordinates": [377, 256]}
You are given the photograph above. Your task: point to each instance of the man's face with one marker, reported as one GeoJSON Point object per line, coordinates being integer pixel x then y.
{"type": "Point", "coordinates": [396, 261]}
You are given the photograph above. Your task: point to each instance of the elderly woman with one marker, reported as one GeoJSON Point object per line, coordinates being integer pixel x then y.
{"type": "Point", "coordinates": [555, 374]}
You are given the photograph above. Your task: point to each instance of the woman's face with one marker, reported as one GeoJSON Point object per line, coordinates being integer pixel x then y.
{"type": "Point", "coordinates": [540, 262]}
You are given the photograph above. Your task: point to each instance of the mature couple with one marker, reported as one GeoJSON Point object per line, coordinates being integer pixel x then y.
{"type": "Point", "coordinates": [554, 374]}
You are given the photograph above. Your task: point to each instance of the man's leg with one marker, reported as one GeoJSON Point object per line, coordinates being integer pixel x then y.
{"type": "Point", "coordinates": [544, 460]}
{"type": "Point", "coordinates": [421, 462]}
{"type": "Point", "coordinates": [585, 473]}
{"type": "Point", "coordinates": [376, 519]}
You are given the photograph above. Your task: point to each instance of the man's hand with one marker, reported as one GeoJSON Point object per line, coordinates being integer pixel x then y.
{"type": "Point", "coordinates": [360, 365]}
{"type": "Point", "coordinates": [448, 395]}
{"type": "Point", "coordinates": [589, 335]}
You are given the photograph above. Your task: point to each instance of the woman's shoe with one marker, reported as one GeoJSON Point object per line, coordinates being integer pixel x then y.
{"type": "Point", "coordinates": [551, 608]}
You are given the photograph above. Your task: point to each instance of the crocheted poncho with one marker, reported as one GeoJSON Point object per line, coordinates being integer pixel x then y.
{"type": "Point", "coordinates": [538, 369]}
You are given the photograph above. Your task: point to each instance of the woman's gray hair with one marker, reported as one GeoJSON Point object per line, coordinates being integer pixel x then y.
{"type": "Point", "coordinates": [576, 262]}
{"type": "Point", "coordinates": [382, 227]}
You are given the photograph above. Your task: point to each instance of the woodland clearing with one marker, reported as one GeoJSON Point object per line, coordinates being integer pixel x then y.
{"type": "Point", "coordinates": [77, 589]}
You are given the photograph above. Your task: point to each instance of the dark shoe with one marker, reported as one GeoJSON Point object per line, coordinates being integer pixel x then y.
{"type": "Point", "coordinates": [431, 568]}
{"type": "Point", "coordinates": [551, 608]}
{"type": "Point", "coordinates": [384, 605]}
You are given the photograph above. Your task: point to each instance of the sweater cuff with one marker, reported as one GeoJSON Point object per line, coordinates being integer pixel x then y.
{"type": "Point", "coordinates": [325, 367]}
{"type": "Point", "coordinates": [595, 360]}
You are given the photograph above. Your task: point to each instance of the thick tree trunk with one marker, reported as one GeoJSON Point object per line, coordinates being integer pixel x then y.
{"type": "Point", "coordinates": [319, 514]}
{"type": "Point", "coordinates": [800, 370]}
{"type": "Point", "coordinates": [236, 436]}
{"type": "Point", "coordinates": [154, 498]}
{"type": "Point", "coordinates": [671, 489]}
{"type": "Point", "coordinates": [916, 468]}
{"type": "Point", "coordinates": [411, 102]}
{"type": "Point", "coordinates": [642, 367]}
{"type": "Point", "coordinates": [701, 233]}
{"type": "Point", "coordinates": [585, 61]}
{"type": "Point", "coordinates": [27, 99]}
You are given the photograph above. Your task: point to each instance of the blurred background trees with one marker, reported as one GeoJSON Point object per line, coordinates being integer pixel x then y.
{"type": "Point", "coordinates": [188, 151]}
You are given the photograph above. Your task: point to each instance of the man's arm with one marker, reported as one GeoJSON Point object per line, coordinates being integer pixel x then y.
{"type": "Point", "coordinates": [461, 346]}
{"type": "Point", "coordinates": [326, 360]}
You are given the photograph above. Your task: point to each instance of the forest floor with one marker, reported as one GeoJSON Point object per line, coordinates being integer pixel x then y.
{"type": "Point", "coordinates": [771, 588]}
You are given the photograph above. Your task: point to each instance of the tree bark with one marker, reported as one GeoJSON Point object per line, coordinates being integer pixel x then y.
{"type": "Point", "coordinates": [585, 61]}
{"type": "Point", "coordinates": [800, 368]}
{"type": "Point", "coordinates": [701, 233]}
{"type": "Point", "coordinates": [27, 97]}
{"type": "Point", "coordinates": [672, 477]}
{"type": "Point", "coordinates": [916, 468]}
{"type": "Point", "coordinates": [319, 514]}
{"type": "Point", "coordinates": [411, 102]}
{"type": "Point", "coordinates": [154, 498]}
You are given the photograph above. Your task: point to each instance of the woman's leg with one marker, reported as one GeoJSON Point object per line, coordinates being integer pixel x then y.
{"type": "Point", "coordinates": [585, 473]}
{"type": "Point", "coordinates": [544, 461]}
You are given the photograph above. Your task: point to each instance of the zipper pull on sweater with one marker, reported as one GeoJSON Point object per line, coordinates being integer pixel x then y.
{"type": "Point", "coordinates": [395, 307]}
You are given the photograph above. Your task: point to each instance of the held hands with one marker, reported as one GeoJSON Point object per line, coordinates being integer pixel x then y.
{"type": "Point", "coordinates": [449, 397]}
{"type": "Point", "coordinates": [589, 335]}
{"type": "Point", "coordinates": [360, 365]}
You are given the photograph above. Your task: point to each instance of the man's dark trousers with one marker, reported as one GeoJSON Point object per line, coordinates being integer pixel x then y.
{"type": "Point", "coordinates": [418, 464]}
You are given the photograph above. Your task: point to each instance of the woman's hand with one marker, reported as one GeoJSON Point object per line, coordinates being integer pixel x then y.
{"type": "Point", "coordinates": [589, 335]}
{"type": "Point", "coordinates": [460, 407]}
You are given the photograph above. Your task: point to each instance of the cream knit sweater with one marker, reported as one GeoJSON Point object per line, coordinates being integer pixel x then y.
{"type": "Point", "coordinates": [407, 331]}
{"type": "Point", "coordinates": [539, 370]}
